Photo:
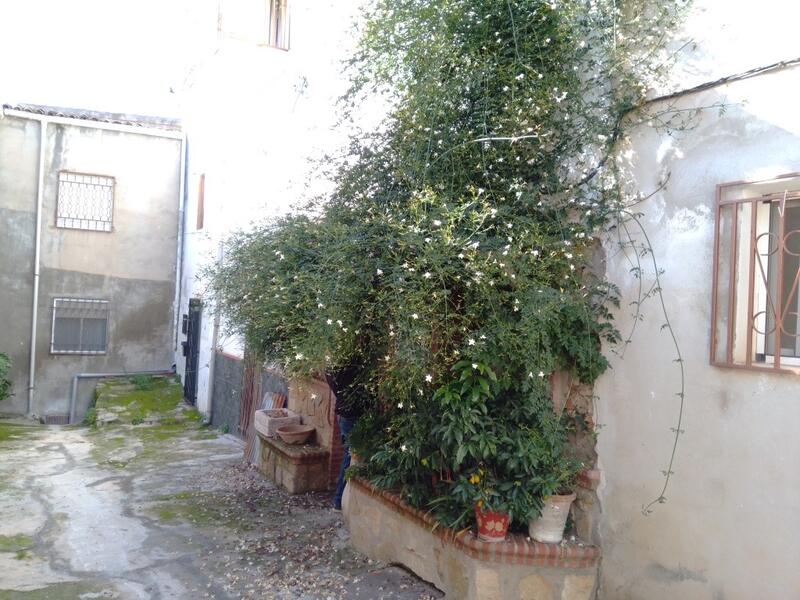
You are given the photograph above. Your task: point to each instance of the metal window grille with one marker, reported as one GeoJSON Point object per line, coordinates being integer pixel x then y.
{"type": "Point", "coordinates": [278, 32]}
{"type": "Point", "coordinates": [755, 312]}
{"type": "Point", "coordinates": [80, 326]}
{"type": "Point", "coordinates": [85, 201]}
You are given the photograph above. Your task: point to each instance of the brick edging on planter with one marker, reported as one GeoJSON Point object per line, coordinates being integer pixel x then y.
{"type": "Point", "coordinates": [516, 550]}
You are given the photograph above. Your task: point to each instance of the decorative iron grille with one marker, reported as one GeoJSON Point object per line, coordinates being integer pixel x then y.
{"type": "Point", "coordinates": [80, 326]}
{"type": "Point", "coordinates": [85, 201]}
{"type": "Point", "coordinates": [755, 311]}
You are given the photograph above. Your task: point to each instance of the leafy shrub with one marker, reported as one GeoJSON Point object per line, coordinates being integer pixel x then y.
{"type": "Point", "coordinates": [5, 381]}
{"type": "Point", "coordinates": [453, 259]}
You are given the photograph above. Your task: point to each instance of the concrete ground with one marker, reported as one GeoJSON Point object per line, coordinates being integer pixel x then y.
{"type": "Point", "coordinates": [166, 510]}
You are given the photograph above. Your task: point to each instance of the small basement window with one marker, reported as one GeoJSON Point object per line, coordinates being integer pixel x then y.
{"type": "Point", "coordinates": [85, 201]}
{"type": "Point", "coordinates": [755, 310]}
{"type": "Point", "coordinates": [80, 326]}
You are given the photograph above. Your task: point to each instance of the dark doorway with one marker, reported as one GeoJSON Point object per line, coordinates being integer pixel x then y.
{"type": "Point", "coordinates": [191, 349]}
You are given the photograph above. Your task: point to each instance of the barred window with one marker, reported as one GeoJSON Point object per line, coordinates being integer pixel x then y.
{"type": "Point", "coordinates": [80, 326]}
{"type": "Point", "coordinates": [755, 311]}
{"type": "Point", "coordinates": [85, 201]}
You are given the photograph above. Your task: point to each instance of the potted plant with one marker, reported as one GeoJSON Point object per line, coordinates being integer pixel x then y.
{"type": "Point", "coordinates": [491, 510]}
{"type": "Point", "coordinates": [549, 524]}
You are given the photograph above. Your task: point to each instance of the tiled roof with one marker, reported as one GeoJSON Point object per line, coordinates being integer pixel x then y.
{"type": "Point", "coordinates": [101, 117]}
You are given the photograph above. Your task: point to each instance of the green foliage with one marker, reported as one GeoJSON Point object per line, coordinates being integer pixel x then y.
{"type": "Point", "coordinates": [5, 381]}
{"type": "Point", "coordinates": [453, 259]}
{"type": "Point", "coordinates": [90, 418]}
{"type": "Point", "coordinates": [143, 382]}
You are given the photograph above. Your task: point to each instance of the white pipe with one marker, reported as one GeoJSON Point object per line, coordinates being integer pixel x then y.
{"type": "Point", "coordinates": [179, 242]}
{"type": "Point", "coordinates": [214, 342]}
{"type": "Point", "coordinates": [74, 391]}
{"type": "Point", "coordinates": [143, 130]}
{"type": "Point", "coordinates": [36, 256]}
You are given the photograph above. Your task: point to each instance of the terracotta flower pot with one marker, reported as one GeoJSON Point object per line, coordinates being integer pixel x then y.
{"type": "Point", "coordinates": [492, 526]}
{"type": "Point", "coordinates": [296, 434]}
{"type": "Point", "coordinates": [549, 526]}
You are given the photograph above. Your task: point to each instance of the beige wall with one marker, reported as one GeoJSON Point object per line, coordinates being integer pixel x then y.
{"type": "Point", "coordinates": [729, 529]}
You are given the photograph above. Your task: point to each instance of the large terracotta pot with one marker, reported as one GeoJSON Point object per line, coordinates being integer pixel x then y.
{"type": "Point", "coordinates": [549, 525]}
{"type": "Point", "coordinates": [492, 526]}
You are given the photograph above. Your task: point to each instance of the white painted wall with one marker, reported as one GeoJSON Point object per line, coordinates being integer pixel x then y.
{"type": "Point", "coordinates": [729, 529]}
{"type": "Point", "coordinates": [254, 115]}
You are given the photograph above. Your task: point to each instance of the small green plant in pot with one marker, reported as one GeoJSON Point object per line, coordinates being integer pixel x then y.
{"type": "Point", "coordinates": [558, 495]}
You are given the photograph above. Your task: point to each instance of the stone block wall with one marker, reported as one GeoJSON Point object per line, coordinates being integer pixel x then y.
{"type": "Point", "coordinates": [384, 528]}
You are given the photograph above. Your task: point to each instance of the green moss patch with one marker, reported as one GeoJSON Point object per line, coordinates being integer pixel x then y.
{"type": "Point", "coordinates": [134, 405]}
{"type": "Point", "coordinates": [14, 431]}
{"type": "Point", "coordinates": [15, 543]}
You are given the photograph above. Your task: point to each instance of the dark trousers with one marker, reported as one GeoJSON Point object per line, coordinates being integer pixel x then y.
{"type": "Point", "coordinates": [345, 425]}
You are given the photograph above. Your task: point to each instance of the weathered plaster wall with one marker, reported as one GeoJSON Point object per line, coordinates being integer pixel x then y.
{"type": "Point", "coordinates": [728, 530]}
{"type": "Point", "coordinates": [254, 115]}
{"type": "Point", "coordinates": [133, 266]}
{"type": "Point", "coordinates": [19, 142]}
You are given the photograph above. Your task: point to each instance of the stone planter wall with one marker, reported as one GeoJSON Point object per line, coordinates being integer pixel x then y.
{"type": "Point", "coordinates": [297, 469]}
{"type": "Point", "coordinates": [384, 528]}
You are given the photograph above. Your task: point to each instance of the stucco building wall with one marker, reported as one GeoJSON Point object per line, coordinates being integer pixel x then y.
{"type": "Point", "coordinates": [728, 530]}
{"type": "Point", "coordinates": [133, 266]}
{"type": "Point", "coordinates": [254, 116]}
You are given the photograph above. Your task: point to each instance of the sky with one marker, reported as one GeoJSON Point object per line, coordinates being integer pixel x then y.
{"type": "Point", "coordinates": [97, 54]}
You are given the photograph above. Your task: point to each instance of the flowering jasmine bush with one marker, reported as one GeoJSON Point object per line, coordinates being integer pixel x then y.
{"type": "Point", "coordinates": [453, 260]}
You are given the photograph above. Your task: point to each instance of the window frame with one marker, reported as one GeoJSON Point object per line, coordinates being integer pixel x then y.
{"type": "Point", "coordinates": [278, 35]}
{"type": "Point", "coordinates": [770, 362]}
{"type": "Point", "coordinates": [58, 215]}
{"type": "Point", "coordinates": [81, 351]}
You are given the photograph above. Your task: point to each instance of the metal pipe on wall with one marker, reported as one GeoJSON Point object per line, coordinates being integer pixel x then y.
{"type": "Point", "coordinates": [36, 259]}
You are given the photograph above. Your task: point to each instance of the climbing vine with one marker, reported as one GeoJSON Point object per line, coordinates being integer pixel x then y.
{"type": "Point", "coordinates": [453, 261]}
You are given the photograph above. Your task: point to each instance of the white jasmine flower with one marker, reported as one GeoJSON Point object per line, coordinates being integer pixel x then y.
{"type": "Point", "coordinates": [339, 322]}
{"type": "Point", "coordinates": [329, 321]}
{"type": "Point", "coordinates": [428, 378]}
{"type": "Point", "coordinates": [415, 316]}
{"type": "Point", "coordinates": [471, 342]}
{"type": "Point", "coordinates": [541, 373]}
{"type": "Point", "coordinates": [403, 448]}
{"type": "Point", "coordinates": [298, 356]}
{"type": "Point", "coordinates": [399, 405]}
{"type": "Point", "coordinates": [379, 272]}
{"type": "Point", "coordinates": [437, 223]}
{"type": "Point", "coordinates": [320, 305]}
{"type": "Point", "coordinates": [427, 275]}
{"type": "Point", "coordinates": [474, 365]}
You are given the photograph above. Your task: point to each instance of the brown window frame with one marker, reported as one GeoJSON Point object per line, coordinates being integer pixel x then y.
{"type": "Point", "coordinates": [738, 206]}
{"type": "Point", "coordinates": [278, 31]}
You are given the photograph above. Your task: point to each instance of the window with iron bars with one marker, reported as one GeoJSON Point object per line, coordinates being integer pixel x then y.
{"type": "Point", "coordinates": [755, 312]}
{"type": "Point", "coordinates": [85, 201]}
{"type": "Point", "coordinates": [80, 326]}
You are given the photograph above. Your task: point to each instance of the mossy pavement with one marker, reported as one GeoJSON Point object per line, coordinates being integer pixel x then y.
{"type": "Point", "coordinates": [148, 503]}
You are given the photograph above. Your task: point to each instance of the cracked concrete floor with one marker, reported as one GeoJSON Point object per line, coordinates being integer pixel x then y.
{"type": "Point", "coordinates": [138, 512]}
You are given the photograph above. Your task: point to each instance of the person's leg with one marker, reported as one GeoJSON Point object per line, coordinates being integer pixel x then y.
{"type": "Point", "coordinates": [345, 425]}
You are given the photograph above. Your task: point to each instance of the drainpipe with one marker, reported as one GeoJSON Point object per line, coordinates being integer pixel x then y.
{"type": "Point", "coordinates": [36, 255]}
{"type": "Point", "coordinates": [182, 193]}
{"type": "Point", "coordinates": [75, 378]}
{"type": "Point", "coordinates": [214, 342]}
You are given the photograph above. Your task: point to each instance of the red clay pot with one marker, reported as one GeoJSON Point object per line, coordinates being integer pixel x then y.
{"type": "Point", "coordinates": [492, 526]}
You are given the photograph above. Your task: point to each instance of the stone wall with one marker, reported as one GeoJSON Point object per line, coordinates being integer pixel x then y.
{"type": "Point", "coordinates": [227, 393]}
{"type": "Point", "coordinates": [384, 528]}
